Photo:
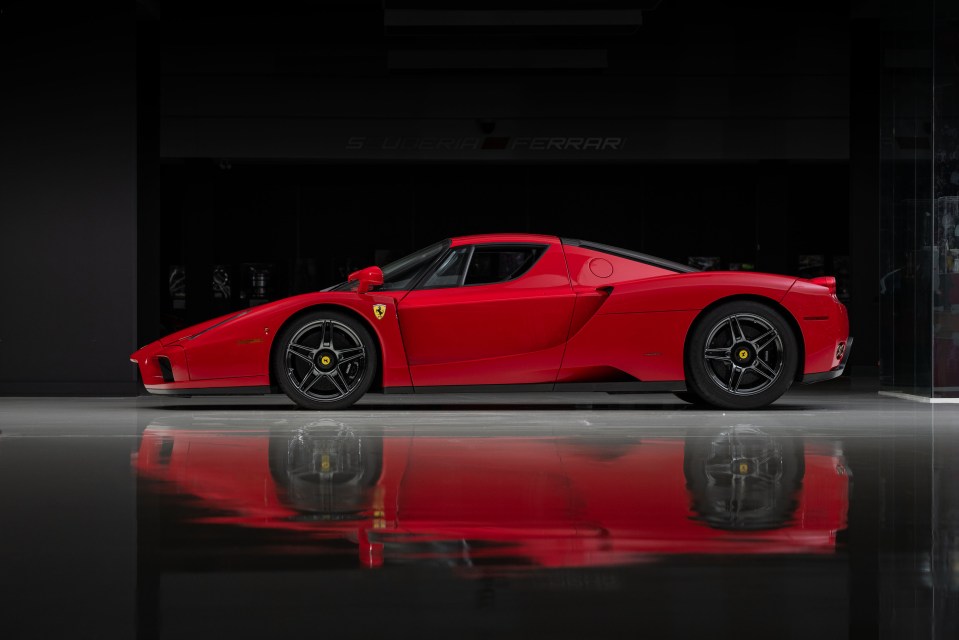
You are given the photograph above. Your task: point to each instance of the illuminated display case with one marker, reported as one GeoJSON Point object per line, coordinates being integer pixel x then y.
{"type": "Point", "coordinates": [919, 241]}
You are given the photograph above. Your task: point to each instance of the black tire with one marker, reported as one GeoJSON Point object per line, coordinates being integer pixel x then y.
{"type": "Point", "coordinates": [765, 354]}
{"type": "Point", "coordinates": [339, 377]}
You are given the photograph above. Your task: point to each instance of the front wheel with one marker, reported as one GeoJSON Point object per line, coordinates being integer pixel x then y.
{"type": "Point", "coordinates": [742, 355]}
{"type": "Point", "coordinates": [325, 360]}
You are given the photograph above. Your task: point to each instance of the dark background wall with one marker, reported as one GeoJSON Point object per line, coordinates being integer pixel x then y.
{"type": "Point", "coordinates": [67, 205]}
{"type": "Point", "coordinates": [694, 81]}
{"type": "Point", "coordinates": [732, 125]}
{"type": "Point", "coordinates": [313, 224]}
{"type": "Point", "coordinates": [310, 142]}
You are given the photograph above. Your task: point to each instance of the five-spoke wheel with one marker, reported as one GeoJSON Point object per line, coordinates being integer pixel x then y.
{"type": "Point", "coordinates": [741, 355]}
{"type": "Point", "coordinates": [325, 360]}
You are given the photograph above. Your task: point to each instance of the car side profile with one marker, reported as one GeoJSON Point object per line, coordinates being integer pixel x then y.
{"type": "Point", "coordinates": [518, 312]}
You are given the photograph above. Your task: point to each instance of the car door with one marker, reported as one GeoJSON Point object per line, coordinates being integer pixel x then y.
{"type": "Point", "coordinates": [489, 314]}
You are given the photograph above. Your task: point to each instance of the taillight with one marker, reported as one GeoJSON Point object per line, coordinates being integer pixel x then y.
{"type": "Point", "coordinates": [826, 281]}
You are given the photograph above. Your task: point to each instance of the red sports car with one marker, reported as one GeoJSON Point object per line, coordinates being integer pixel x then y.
{"type": "Point", "coordinates": [519, 312]}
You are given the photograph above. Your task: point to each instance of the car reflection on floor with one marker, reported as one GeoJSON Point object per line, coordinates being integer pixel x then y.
{"type": "Point", "coordinates": [322, 488]}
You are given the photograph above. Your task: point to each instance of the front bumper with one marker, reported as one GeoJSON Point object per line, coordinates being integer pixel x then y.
{"type": "Point", "coordinates": [835, 372]}
{"type": "Point", "coordinates": [164, 371]}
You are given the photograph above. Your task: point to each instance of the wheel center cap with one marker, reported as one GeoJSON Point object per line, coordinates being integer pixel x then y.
{"type": "Point", "coordinates": [325, 360]}
{"type": "Point", "coordinates": [742, 354]}
{"type": "Point", "coordinates": [742, 467]}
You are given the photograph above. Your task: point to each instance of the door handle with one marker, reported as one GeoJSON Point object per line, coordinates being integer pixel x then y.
{"type": "Point", "coordinates": [585, 290]}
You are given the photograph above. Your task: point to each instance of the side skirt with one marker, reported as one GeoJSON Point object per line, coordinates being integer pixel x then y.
{"type": "Point", "coordinates": [607, 387]}
{"type": "Point", "coordinates": [214, 391]}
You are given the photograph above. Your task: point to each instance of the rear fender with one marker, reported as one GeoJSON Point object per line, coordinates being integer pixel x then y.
{"type": "Point", "coordinates": [823, 321]}
{"type": "Point", "coordinates": [652, 318]}
{"type": "Point", "coordinates": [786, 314]}
{"type": "Point", "coordinates": [693, 291]}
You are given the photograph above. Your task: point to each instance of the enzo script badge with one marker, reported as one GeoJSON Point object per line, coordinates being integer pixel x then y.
{"type": "Point", "coordinates": [379, 310]}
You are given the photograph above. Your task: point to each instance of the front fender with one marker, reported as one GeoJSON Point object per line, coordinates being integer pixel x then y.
{"type": "Point", "coordinates": [240, 348]}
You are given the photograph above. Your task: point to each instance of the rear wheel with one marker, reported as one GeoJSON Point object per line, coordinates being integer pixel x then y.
{"type": "Point", "coordinates": [742, 355]}
{"type": "Point", "coordinates": [325, 360]}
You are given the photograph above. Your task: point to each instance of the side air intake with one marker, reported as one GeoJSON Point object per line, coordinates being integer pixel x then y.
{"type": "Point", "coordinates": [165, 369]}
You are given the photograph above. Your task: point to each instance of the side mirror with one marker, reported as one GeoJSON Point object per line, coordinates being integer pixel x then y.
{"type": "Point", "coordinates": [368, 277]}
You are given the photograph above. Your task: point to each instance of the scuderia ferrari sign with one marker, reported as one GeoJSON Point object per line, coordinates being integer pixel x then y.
{"type": "Point", "coordinates": [521, 144]}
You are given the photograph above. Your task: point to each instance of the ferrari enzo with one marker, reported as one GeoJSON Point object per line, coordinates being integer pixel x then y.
{"type": "Point", "coordinates": [519, 312]}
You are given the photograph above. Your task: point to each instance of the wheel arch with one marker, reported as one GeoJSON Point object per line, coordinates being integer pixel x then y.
{"type": "Point", "coordinates": [769, 302]}
{"type": "Point", "coordinates": [299, 313]}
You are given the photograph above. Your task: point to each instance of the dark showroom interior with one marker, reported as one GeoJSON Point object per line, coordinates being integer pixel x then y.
{"type": "Point", "coordinates": [224, 389]}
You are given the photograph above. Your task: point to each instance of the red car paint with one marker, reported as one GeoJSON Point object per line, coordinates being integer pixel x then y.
{"type": "Point", "coordinates": [508, 333]}
{"type": "Point", "coordinates": [578, 315]}
{"type": "Point", "coordinates": [551, 502]}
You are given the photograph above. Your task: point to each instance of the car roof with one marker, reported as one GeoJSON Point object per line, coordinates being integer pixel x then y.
{"type": "Point", "coordinates": [495, 238]}
{"type": "Point", "coordinates": [533, 238]}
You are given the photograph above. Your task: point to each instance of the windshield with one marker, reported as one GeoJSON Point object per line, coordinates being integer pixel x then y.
{"type": "Point", "coordinates": [401, 274]}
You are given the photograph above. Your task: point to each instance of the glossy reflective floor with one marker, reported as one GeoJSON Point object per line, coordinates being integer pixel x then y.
{"type": "Point", "coordinates": [833, 514]}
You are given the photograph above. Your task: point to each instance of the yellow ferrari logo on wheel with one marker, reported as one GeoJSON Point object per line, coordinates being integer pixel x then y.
{"type": "Point", "coordinates": [743, 354]}
{"type": "Point", "coordinates": [325, 360]}
{"type": "Point", "coordinates": [379, 310]}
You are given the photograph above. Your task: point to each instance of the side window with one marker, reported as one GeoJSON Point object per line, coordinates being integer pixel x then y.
{"type": "Point", "coordinates": [483, 264]}
{"type": "Point", "coordinates": [451, 270]}
{"type": "Point", "coordinates": [491, 264]}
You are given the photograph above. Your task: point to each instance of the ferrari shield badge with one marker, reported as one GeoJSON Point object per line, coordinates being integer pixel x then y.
{"type": "Point", "coordinates": [379, 310]}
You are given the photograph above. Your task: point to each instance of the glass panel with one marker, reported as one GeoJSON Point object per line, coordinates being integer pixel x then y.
{"type": "Point", "coordinates": [399, 275]}
{"type": "Point", "coordinates": [499, 264]}
{"type": "Point", "coordinates": [945, 250]}
{"type": "Point", "coordinates": [906, 199]}
{"type": "Point", "coordinates": [451, 271]}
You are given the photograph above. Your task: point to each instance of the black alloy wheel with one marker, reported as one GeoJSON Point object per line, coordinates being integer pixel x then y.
{"type": "Point", "coordinates": [741, 355]}
{"type": "Point", "coordinates": [325, 360]}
